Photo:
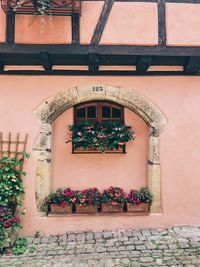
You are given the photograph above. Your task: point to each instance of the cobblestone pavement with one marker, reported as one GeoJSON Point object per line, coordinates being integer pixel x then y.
{"type": "Point", "coordinates": [177, 246]}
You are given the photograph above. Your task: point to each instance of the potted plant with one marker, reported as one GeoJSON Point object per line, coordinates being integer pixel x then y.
{"type": "Point", "coordinates": [9, 225]}
{"type": "Point", "coordinates": [61, 201]}
{"type": "Point", "coordinates": [100, 137]}
{"type": "Point", "coordinates": [113, 200]}
{"type": "Point", "coordinates": [87, 201]}
{"type": "Point", "coordinates": [139, 201]}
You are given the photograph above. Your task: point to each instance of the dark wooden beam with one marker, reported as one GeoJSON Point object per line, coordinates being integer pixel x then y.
{"type": "Point", "coordinates": [75, 29]}
{"type": "Point", "coordinates": [45, 61]}
{"type": "Point", "coordinates": [93, 62]}
{"type": "Point", "coordinates": [161, 23]}
{"type": "Point", "coordinates": [31, 50]}
{"type": "Point", "coordinates": [1, 66]}
{"type": "Point", "coordinates": [143, 64]}
{"type": "Point", "coordinates": [193, 65]}
{"type": "Point", "coordinates": [102, 22]}
{"type": "Point", "coordinates": [96, 73]}
{"type": "Point", "coordinates": [10, 26]}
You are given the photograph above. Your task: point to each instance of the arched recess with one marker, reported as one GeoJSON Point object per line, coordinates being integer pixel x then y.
{"type": "Point", "coordinates": [52, 107]}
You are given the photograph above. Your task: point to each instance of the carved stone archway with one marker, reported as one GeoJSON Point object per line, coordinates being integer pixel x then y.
{"type": "Point", "coordinates": [52, 107]}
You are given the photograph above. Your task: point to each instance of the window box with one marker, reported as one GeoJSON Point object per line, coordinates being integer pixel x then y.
{"type": "Point", "coordinates": [96, 151]}
{"type": "Point", "coordinates": [108, 137]}
{"type": "Point", "coordinates": [57, 209]}
{"type": "Point", "coordinates": [89, 209]}
{"type": "Point", "coordinates": [142, 207]}
{"type": "Point", "coordinates": [56, 7]}
{"type": "Point", "coordinates": [109, 208]}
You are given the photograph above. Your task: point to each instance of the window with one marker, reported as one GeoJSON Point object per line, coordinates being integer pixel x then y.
{"type": "Point", "coordinates": [98, 112]}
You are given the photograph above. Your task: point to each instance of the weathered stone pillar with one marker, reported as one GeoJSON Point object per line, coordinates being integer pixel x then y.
{"type": "Point", "coordinates": [154, 182]}
{"type": "Point", "coordinates": [42, 151]}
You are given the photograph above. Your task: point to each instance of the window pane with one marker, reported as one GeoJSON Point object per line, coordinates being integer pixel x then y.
{"type": "Point", "coordinates": [106, 120]}
{"type": "Point", "coordinates": [106, 112]}
{"type": "Point", "coordinates": [91, 120]}
{"type": "Point", "coordinates": [116, 113]}
{"type": "Point", "coordinates": [91, 112]}
{"type": "Point", "coordinates": [80, 113]}
{"type": "Point", "coordinates": [80, 121]}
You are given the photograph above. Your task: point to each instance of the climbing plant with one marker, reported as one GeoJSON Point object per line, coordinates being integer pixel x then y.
{"type": "Point", "coordinates": [11, 184]}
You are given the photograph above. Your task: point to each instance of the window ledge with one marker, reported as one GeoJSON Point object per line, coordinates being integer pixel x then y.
{"type": "Point", "coordinates": [121, 214]}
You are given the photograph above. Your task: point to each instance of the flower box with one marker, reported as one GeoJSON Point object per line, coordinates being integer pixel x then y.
{"type": "Point", "coordinates": [142, 207]}
{"type": "Point", "coordinates": [56, 7]}
{"type": "Point", "coordinates": [120, 150]}
{"type": "Point", "coordinates": [107, 137]}
{"type": "Point", "coordinates": [89, 209]}
{"type": "Point", "coordinates": [55, 208]}
{"type": "Point", "coordinates": [11, 236]}
{"type": "Point", "coordinates": [109, 208]}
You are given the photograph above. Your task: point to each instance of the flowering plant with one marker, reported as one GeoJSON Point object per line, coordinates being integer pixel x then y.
{"type": "Point", "coordinates": [7, 221]}
{"type": "Point", "coordinates": [114, 195]}
{"type": "Point", "coordinates": [11, 183]}
{"type": "Point", "coordinates": [144, 195]}
{"type": "Point", "coordinates": [141, 196]}
{"type": "Point", "coordinates": [132, 197]}
{"type": "Point", "coordinates": [106, 136]}
{"type": "Point", "coordinates": [62, 197]}
{"type": "Point", "coordinates": [87, 197]}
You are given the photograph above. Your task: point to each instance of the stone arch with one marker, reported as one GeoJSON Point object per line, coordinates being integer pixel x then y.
{"type": "Point", "coordinates": [52, 107]}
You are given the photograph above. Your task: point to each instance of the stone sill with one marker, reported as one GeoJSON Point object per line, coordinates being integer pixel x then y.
{"type": "Point", "coordinates": [101, 214]}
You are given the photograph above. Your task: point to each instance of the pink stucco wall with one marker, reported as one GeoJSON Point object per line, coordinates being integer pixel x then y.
{"type": "Point", "coordinates": [128, 171]}
{"type": "Point", "coordinates": [182, 24]}
{"type": "Point", "coordinates": [3, 26]}
{"type": "Point", "coordinates": [53, 30]}
{"type": "Point", "coordinates": [178, 98]}
{"type": "Point", "coordinates": [132, 23]}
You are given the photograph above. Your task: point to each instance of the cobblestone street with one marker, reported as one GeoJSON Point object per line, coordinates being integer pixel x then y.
{"type": "Point", "coordinates": [178, 246]}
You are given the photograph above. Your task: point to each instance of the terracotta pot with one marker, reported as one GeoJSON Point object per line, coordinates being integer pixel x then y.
{"type": "Point", "coordinates": [86, 209]}
{"type": "Point", "coordinates": [109, 208]}
{"type": "Point", "coordinates": [142, 207]}
{"type": "Point", "coordinates": [10, 239]}
{"type": "Point", "coordinates": [55, 208]}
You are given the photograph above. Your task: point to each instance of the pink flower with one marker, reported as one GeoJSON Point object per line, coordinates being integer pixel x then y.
{"type": "Point", "coordinates": [120, 143]}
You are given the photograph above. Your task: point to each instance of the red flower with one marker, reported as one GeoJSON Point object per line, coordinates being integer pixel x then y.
{"type": "Point", "coordinates": [6, 225]}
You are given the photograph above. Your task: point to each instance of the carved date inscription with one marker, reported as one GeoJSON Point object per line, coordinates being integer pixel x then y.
{"type": "Point", "coordinates": [97, 88]}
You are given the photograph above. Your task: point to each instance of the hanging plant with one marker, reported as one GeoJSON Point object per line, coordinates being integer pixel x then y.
{"type": "Point", "coordinates": [106, 136]}
{"type": "Point", "coordinates": [42, 9]}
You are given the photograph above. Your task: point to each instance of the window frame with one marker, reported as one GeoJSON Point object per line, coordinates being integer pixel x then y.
{"type": "Point", "coordinates": [99, 104]}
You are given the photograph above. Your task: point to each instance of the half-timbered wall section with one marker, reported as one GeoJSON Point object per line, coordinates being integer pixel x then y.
{"type": "Point", "coordinates": [111, 37]}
